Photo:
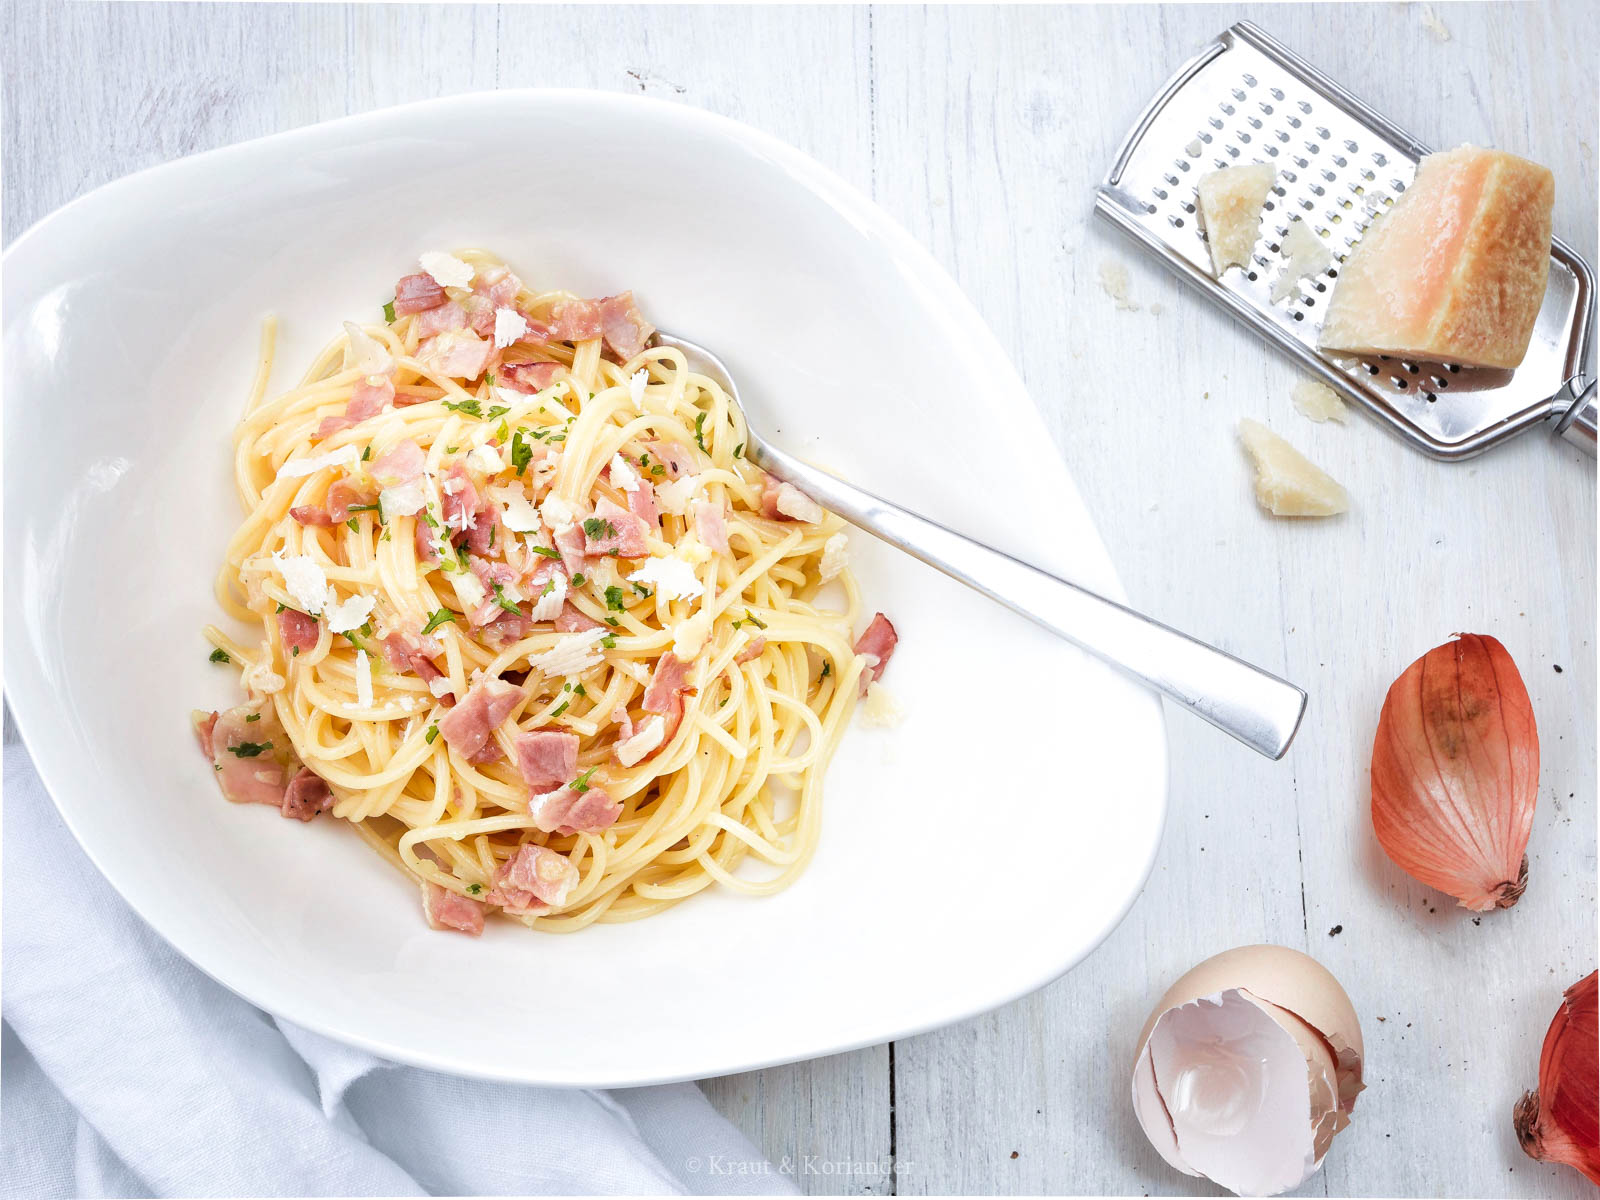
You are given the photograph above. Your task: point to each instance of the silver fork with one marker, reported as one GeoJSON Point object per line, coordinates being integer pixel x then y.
{"type": "Point", "coordinates": [1258, 708]}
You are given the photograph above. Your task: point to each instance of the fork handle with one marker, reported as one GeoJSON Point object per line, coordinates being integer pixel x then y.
{"type": "Point", "coordinates": [1259, 709]}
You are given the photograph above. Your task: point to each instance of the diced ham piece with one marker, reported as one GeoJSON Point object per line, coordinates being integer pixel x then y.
{"type": "Point", "coordinates": [642, 504]}
{"type": "Point", "coordinates": [499, 286]}
{"type": "Point", "coordinates": [620, 532]}
{"type": "Point", "coordinates": [567, 810]}
{"type": "Point", "coordinates": [626, 331]}
{"type": "Point", "coordinates": [528, 376]}
{"type": "Point", "coordinates": [370, 397]}
{"type": "Point", "coordinates": [447, 316]}
{"type": "Point", "coordinates": [298, 630]}
{"type": "Point", "coordinates": [478, 313]}
{"type": "Point", "coordinates": [468, 726]}
{"type": "Point", "coordinates": [546, 758]}
{"type": "Point", "coordinates": [534, 877]}
{"type": "Point", "coordinates": [570, 545]}
{"type": "Point", "coordinates": [307, 795]}
{"type": "Point", "coordinates": [247, 770]}
{"type": "Point", "coordinates": [461, 501]}
{"type": "Point", "coordinates": [877, 644]}
{"type": "Point", "coordinates": [427, 542]}
{"type": "Point", "coordinates": [751, 652]}
{"type": "Point", "coordinates": [445, 909]}
{"type": "Point", "coordinates": [456, 354]}
{"type": "Point", "coordinates": [335, 508]}
{"type": "Point", "coordinates": [576, 321]}
{"type": "Point", "coordinates": [204, 723]}
{"type": "Point", "coordinates": [678, 459]}
{"type": "Point", "coordinates": [310, 514]}
{"type": "Point", "coordinates": [664, 695]}
{"type": "Point", "coordinates": [572, 620]}
{"type": "Point", "coordinates": [417, 293]}
{"type": "Point", "coordinates": [332, 425]}
{"type": "Point", "coordinates": [505, 627]}
{"type": "Point", "coordinates": [785, 502]}
{"type": "Point", "coordinates": [403, 464]}
{"type": "Point", "coordinates": [710, 524]}
{"type": "Point", "coordinates": [405, 652]}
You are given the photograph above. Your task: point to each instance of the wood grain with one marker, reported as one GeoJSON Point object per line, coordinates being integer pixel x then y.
{"type": "Point", "coordinates": [983, 131]}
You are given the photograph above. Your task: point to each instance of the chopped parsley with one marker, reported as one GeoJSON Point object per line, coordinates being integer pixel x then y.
{"type": "Point", "coordinates": [521, 452]}
{"type": "Point", "coordinates": [750, 619]}
{"type": "Point", "coordinates": [282, 606]}
{"type": "Point", "coordinates": [355, 524]}
{"type": "Point", "coordinates": [253, 717]}
{"type": "Point", "coordinates": [614, 598]}
{"type": "Point", "coordinates": [581, 783]}
{"type": "Point", "coordinates": [738, 451]}
{"type": "Point", "coordinates": [474, 888]}
{"type": "Point", "coordinates": [500, 599]}
{"type": "Point", "coordinates": [388, 312]}
{"type": "Point", "coordinates": [362, 508]}
{"type": "Point", "coordinates": [613, 622]}
{"type": "Point", "coordinates": [609, 642]}
{"type": "Point", "coordinates": [547, 552]}
{"type": "Point", "coordinates": [469, 406]}
{"type": "Point", "coordinates": [451, 449]}
{"type": "Point", "coordinates": [366, 453]}
{"type": "Point", "coordinates": [559, 709]}
{"type": "Point", "coordinates": [827, 669]}
{"type": "Point", "coordinates": [577, 690]}
{"type": "Point", "coordinates": [250, 749]}
{"type": "Point", "coordinates": [578, 580]}
{"type": "Point", "coordinates": [597, 529]}
{"type": "Point", "coordinates": [700, 430]}
{"type": "Point", "coordinates": [496, 410]}
{"type": "Point", "coordinates": [502, 433]}
{"type": "Point", "coordinates": [440, 617]}
{"type": "Point", "coordinates": [431, 735]}
{"type": "Point", "coordinates": [642, 590]}
{"type": "Point", "coordinates": [219, 655]}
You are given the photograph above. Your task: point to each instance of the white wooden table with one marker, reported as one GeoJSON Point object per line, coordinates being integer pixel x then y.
{"type": "Point", "coordinates": [983, 132]}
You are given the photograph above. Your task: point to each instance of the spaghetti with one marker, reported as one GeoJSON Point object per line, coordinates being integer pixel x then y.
{"type": "Point", "coordinates": [527, 617]}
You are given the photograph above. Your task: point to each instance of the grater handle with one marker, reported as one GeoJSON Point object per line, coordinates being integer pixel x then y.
{"type": "Point", "coordinates": [1581, 417]}
{"type": "Point", "coordinates": [1259, 709]}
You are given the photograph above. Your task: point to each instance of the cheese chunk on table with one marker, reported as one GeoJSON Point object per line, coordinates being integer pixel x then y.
{"type": "Point", "coordinates": [1455, 271]}
{"type": "Point", "coordinates": [1287, 483]}
{"type": "Point", "coordinates": [1230, 209]}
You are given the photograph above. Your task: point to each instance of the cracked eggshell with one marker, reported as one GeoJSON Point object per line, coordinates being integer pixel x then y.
{"type": "Point", "coordinates": [1279, 1009]}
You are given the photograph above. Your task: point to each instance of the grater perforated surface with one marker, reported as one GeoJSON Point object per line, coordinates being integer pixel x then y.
{"type": "Point", "coordinates": [1245, 99]}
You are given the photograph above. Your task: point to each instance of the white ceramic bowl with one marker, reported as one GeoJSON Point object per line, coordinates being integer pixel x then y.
{"type": "Point", "coordinates": [968, 856]}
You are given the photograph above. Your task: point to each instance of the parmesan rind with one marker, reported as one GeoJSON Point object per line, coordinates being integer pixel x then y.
{"type": "Point", "coordinates": [1230, 211]}
{"type": "Point", "coordinates": [1287, 483]}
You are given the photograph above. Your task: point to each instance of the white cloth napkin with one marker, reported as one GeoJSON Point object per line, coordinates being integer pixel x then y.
{"type": "Point", "coordinates": [128, 1072]}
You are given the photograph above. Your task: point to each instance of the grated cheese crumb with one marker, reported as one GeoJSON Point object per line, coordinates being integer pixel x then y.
{"type": "Point", "coordinates": [402, 500]}
{"type": "Point", "coordinates": [447, 270]}
{"type": "Point", "coordinates": [1114, 282]}
{"type": "Point", "coordinates": [575, 653]}
{"type": "Point", "coordinates": [1318, 401]}
{"type": "Point", "coordinates": [296, 468]}
{"type": "Point", "coordinates": [835, 556]}
{"type": "Point", "coordinates": [623, 475]}
{"type": "Point", "coordinates": [1304, 253]}
{"type": "Point", "coordinates": [518, 514]}
{"type": "Point", "coordinates": [486, 459]}
{"type": "Point", "coordinates": [880, 708]}
{"type": "Point", "coordinates": [636, 385]}
{"type": "Point", "coordinates": [672, 577]}
{"type": "Point", "coordinates": [647, 739]}
{"type": "Point", "coordinates": [305, 579]}
{"type": "Point", "coordinates": [689, 637]}
{"type": "Point", "coordinates": [366, 352]}
{"type": "Point", "coordinates": [349, 614]}
{"type": "Point", "coordinates": [674, 495]}
{"type": "Point", "coordinates": [509, 326]}
{"type": "Point", "coordinates": [558, 513]}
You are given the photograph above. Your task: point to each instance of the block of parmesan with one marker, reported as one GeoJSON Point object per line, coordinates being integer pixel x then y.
{"type": "Point", "coordinates": [1230, 210]}
{"type": "Point", "coordinates": [1287, 483]}
{"type": "Point", "coordinates": [1456, 270]}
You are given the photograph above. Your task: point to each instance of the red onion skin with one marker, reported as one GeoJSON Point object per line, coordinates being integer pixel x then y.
{"type": "Point", "coordinates": [1455, 773]}
{"type": "Point", "coordinates": [1561, 1121]}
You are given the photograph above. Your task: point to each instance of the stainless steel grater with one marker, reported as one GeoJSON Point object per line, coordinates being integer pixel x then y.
{"type": "Point", "coordinates": [1246, 99]}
